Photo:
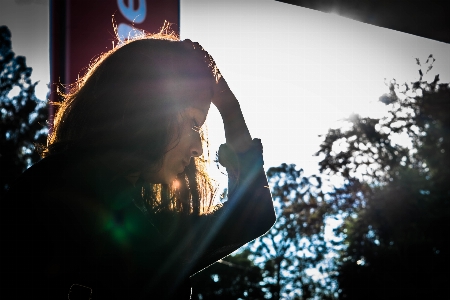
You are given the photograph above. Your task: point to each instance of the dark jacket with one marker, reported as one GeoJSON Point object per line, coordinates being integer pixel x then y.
{"type": "Point", "coordinates": [69, 227]}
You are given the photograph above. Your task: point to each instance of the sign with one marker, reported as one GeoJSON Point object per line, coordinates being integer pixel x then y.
{"type": "Point", "coordinates": [80, 30]}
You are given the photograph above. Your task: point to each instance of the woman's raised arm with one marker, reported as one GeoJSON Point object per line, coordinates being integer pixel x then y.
{"type": "Point", "coordinates": [236, 132]}
{"type": "Point", "coordinates": [249, 211]}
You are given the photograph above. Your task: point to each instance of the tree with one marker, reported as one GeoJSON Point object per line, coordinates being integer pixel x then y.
{"type": "Point", "coordinates": [286, 258]}
{"type": "Point", "coordinates": [396, 197]}
{"type": "Point", "coordinates": [234, 277]}
{"type": "Point", "coordinates": [295, 246]}
{"type": "Point", "coordinates": [22, 118]}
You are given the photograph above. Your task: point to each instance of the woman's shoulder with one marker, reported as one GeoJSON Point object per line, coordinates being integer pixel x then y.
{"type": "Point", "coordinates": [44, 190]}
{"type": "Point", "coordinates": [46, 175]}
{"type": "Point", "coordinates": [36, 179]}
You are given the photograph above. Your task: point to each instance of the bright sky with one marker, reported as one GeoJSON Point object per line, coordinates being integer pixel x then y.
{"type": "Point", "coordinates": [295, 71]}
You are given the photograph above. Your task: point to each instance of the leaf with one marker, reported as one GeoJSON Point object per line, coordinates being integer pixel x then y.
{"type": "Point", "coordinates": [436, 79]}
{"type": "Point", "coordinates": [406, 87]}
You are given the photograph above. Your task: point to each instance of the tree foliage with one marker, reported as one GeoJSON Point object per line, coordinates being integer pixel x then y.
{"type": "Point", "coordinates": [395, 199]}
{"type": "Point", "coordinates": [234, 277]}
{"type": "Point", "coordinates": [284, 259]}
{"type": "Point", "coordinates": [22, 118]}
{"type": "Point", "coordinates": [295, 247]}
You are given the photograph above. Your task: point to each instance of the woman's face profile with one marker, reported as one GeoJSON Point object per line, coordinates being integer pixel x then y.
{"type": "Point", "coordinates": [186, 140]}
{"type": "Point", "coordinates": [186, 144]}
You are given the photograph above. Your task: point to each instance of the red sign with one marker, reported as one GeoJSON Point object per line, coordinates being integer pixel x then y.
{"type": "Point", "coordinates": [83, 29]}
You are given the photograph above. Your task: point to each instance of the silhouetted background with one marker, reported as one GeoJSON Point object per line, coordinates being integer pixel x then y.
{"type": "Point", "coordinates": [387, 200]}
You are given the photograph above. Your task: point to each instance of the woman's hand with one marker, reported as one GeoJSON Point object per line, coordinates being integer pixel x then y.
{"type": "Point", "coordinates": [236, 132]}
{"type": "Point", "coordinates": [223, 97]}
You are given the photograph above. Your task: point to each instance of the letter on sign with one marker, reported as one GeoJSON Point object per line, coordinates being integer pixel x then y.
{"type": "Point", "coordinates": [135, 16]}
{"type": "Point", "coordinates": [125, 31]}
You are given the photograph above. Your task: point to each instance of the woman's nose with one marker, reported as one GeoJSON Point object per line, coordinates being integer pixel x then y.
{"type": "Point", "coordinates": [196, 148]}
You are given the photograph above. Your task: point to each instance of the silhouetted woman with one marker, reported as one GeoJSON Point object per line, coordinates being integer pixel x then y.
{"type": "Point", "coordinates": [120, 207]}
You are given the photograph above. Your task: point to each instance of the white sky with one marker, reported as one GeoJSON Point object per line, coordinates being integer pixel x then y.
{"type": "Point", "coordinates": [29, 26]}
{"type": "Point", "coordinates": [295, 71]}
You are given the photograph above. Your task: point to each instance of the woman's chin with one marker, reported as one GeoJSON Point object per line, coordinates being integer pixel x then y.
{"type": "Point", "coordinates": [169, 179]}
{"type": "Point", "coordinates": [172, 179]}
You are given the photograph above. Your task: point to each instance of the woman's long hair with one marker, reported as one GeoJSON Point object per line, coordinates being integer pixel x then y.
{"type": "Point", "coordinates": [127, 105]}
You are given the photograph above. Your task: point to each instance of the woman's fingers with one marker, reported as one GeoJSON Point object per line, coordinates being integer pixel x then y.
{"type": "Point", "coordinates": [197, 52]}
{"type": "Point", "coordinates": [223, 97]}
{"type": "Point", "coordinates": [193, 45]}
